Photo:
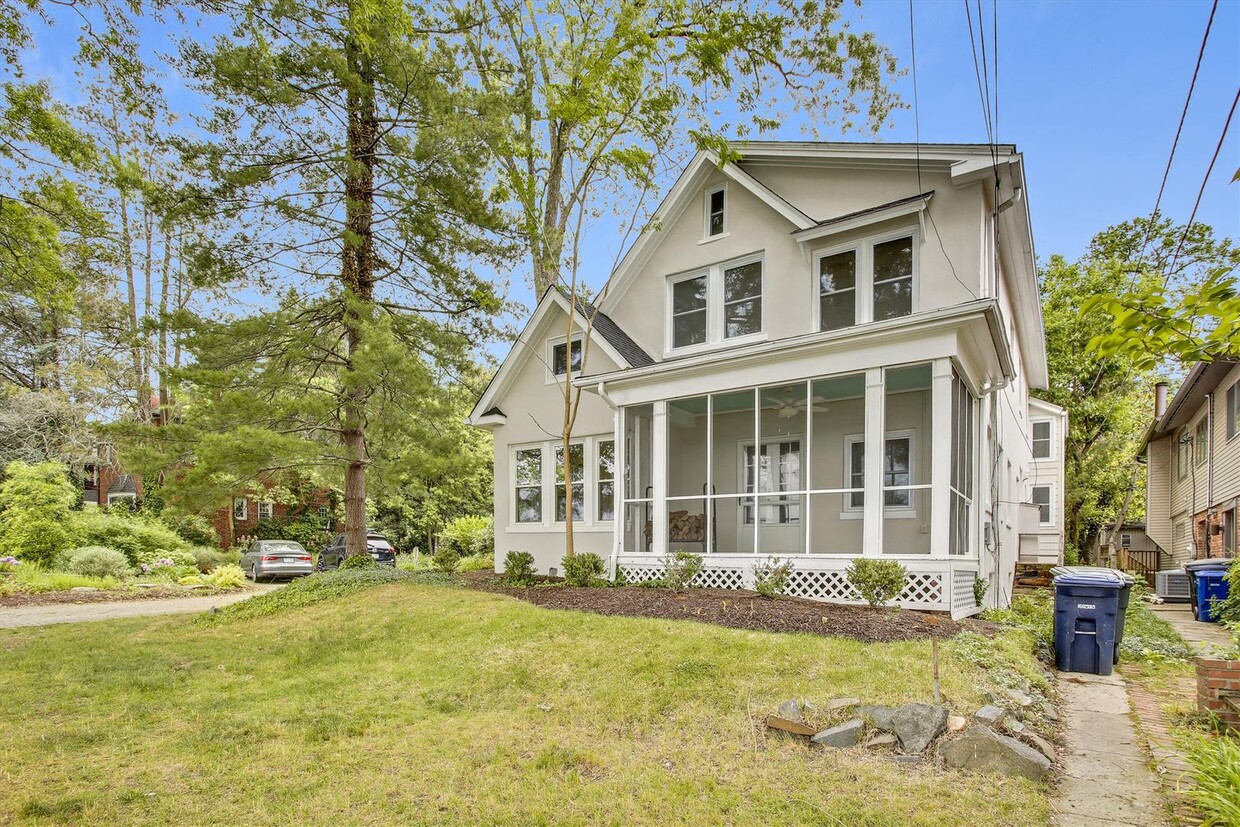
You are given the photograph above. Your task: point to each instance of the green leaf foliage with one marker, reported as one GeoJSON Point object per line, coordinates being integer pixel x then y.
{"type": "Point", "coordinates": [35, 503]}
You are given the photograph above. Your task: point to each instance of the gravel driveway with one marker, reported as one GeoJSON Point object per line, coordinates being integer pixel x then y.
{"type": "Point", "coordinates": [12, 618]}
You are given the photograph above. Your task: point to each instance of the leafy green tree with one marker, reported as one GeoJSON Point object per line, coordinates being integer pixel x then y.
{"type": "Point", "coordinates": [345, 152]}
{"type": "Point", "coordinates": [35, 503]}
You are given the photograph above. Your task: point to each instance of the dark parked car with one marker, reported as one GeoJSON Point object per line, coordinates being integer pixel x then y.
{"type": "Point", "coordinates": [275, 558]}
{"type": "Point", "coordinates": [333, 554]}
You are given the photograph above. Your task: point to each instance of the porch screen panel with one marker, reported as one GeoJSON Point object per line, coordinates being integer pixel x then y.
{"type": "Point", "coordinates": [733, 430]}
{"type": "Point", "coordinates": [908, 438]}
{"type": "Point", "coordinates": [687, 422]}
{"type": "Point", "coordinates": [775, 469]}
{"type": "Point", "coordinates": [836, 416]}
{"type": "Point", "coordinates": [962, 474]}
{"type": "Point", "coordinates": [638, 502]}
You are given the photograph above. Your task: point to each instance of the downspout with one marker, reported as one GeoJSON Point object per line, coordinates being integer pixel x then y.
{"type": "Point", "coordinates": [995, 587]}
{"type": "Point", "coordinates": [618, 501]}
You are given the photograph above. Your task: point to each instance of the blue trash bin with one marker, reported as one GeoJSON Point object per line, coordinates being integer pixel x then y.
{"type": "Point", "coordinates": [1211, 586]}
{"type": "Point", "coordinates": [1126, 582]}
{"type": "Point", "coordinates": [1086, 616]}
{"type": "Point", "coordinates": [1194, 568]}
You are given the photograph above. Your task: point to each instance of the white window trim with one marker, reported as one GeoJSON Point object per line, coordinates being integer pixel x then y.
{"type": "Point", "coordinates": [864, 248]}
{"type": "Point", "coordinates": [715, 339]}
{"type": "Point", "coordinates": [827, 252]}
{"type": "Point", "coordinates": [1033, 439]}
{"type": "Point", "coordinates": [549, 357]}
{"type": "Point", "coordinates": [706, 236]}
{"type": "Point", "coordinates": [245, 508]}
{"type": "Point", "coordinates": [1050, 502]}
{"type": "Point", "coordinates": [268, 506]}
{"type": "Point", "coordinates": [894, 512]}
{"type": "Point", "coordinates": [547, 486]}
{"type": "Point", "coordinates": [1125, 541]}
{"type": "Point", "coordinates": [122, 495]}
{"type": "Point", "coordinates": [1231, 411]}
{"type": "Point", "coordinates": [324, 511]}
{"type": "Point", "coordinates": [1201, 449]}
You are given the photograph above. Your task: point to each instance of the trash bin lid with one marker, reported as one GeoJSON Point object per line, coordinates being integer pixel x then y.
{"type": "Point", "coordinates": [1096, 572]}
{"type": "Point", "coordinates": [1099, 579]}
{"type": "Point", "coordinates": [1212, 575]}
{"type": "Point", "coordinates": [1209, 564]}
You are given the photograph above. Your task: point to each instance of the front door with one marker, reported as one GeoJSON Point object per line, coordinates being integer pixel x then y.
{"type": "Point", "coordinates": [775, 469]}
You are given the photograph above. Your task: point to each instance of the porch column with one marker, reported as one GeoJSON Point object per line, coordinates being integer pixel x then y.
{"type": "Point", "coordinates": [875, 443]}
{"type": "Point", "coordinates": [620, 489]}
{"type": "Point", "coordinates": [941, 428]}
{"type": "Point", "coordinates": [658, 477]}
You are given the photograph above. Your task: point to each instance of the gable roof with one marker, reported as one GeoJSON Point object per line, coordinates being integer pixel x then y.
{"type": "Point", "coordinates": [607, 335]}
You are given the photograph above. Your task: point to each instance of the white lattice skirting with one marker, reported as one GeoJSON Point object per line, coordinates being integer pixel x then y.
{"type": "Point", "coordinates": [931, 585]}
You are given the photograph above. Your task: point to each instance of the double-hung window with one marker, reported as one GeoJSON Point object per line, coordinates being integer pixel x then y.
{"type": "Point", "coordinates": [722, 303]}
{"type": "Point", "coordinates": [1181, 454]}
{"type": "Point", "coordinates": [565, 356]}
{"type": "Point", "coordinates": [870, 281]}
{"type": "Point", "coordinates": [1041, 497]}
{"type": "Point", "coordinates": [264, 509]}
{"type": "Point", "coordinates": [605, 479]}
{"type": "Point", "coordinates": [1233, 410]}
{"type": "Point", "coordinates": [897, 470]}
{"type": "Point", "coordinates": [1201, 440]}
{"type": "Point", "coordinates": [540, 495]}
{"type": "Point", "coordinates": [577, 474]}
{"type": "Point", "coordinates": [527, 472]}
{"type": "Point", "coordinates": [1042, 439]}
{"type": "Point", "coordinates": [241, 508]}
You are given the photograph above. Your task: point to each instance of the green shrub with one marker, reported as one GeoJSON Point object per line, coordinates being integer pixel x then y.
{"type": "Point", "coordinates": [98, 561]}
{"type": "Point", "coordinates": [226, 576]}
{"type": "Point", "coordinates": [518, 568]}
{"type": "Point", "coordinates": [306, 529]}
{"type": "Point", "coordinates": [359, 561]}
{"type": "Point", "coordinates": [208, 559]}
{"type": "Point", "coordinates": [478, 562]}
{"type": "Point", "coordinates": [141, 539]}
{"type": "Point", "coordinates": [583, 569]}
{"type": "Point", "coordinates": [469, 536]}
{"type": "Point", "coordinates": [316, 588]}
{"type": "Point", "coordinates": [35, 503]}
{"type": "Point", "coordinates": [446, 560]}
{"type": "Point", "coordinates": [1071, 557]}
{"type": "Point", "coordinates": [34, 578]}
{"type": "Point", "coordinates": [192, 528]}
{"type": "Point", "coordinates": [877, 581]}
{"type": "Point", "coordinates": [980, 587]}
{"type": "Point", "coordinates": [770, 576]}
{"type": "Point", "coordinates": [680, 568]}
{"type": "Point", "coordinates": [1216, 769]}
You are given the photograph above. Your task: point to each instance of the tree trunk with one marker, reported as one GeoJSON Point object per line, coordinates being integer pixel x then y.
{"type": "Point", "coordinates": [357, 274]}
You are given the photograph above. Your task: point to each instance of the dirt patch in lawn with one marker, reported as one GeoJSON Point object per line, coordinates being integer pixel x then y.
{"type": "Point", "coordinates": [740, 610]}
{"type": "Point", "coordinates": [102, 596]}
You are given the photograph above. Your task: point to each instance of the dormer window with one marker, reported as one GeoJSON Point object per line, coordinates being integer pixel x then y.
{"type": "Point", "coordinates": [893, 278]}
{"type": "Point", "coordinates": [561, 355]}
{"type": "Point", "coordinates": [716, 211]}
{"type": "Point", "coordinates": [867, 281]}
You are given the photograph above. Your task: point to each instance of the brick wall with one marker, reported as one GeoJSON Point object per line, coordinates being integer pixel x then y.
{"type": "Point", "coordinates": [1216, 679]}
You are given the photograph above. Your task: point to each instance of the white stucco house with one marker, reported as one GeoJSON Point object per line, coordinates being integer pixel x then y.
{"type": "Point", "coordinates": [783, 319]}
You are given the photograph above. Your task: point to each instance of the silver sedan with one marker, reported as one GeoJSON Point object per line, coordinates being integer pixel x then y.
{"type": "Point", "coordinates": [276, 558]}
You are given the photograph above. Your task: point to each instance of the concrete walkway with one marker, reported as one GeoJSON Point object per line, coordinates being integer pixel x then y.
{"type": "Point", "coordinates": [50, 614]}
{"type": "Point", "coordinates": [1201, 636]}
{"type": "Point", "coordinates": [1106, 780]}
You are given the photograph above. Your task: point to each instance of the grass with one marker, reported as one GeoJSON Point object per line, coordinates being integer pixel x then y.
{"type": "Point", "coordinates": [1216, 769]}
{"type": "Point", "coordinates": [34, 579]}
{"type": "Point", "coordinates": [416, 704]}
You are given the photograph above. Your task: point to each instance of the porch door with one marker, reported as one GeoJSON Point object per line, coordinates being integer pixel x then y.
{"type": "Point", "coordinates": [776, 469]}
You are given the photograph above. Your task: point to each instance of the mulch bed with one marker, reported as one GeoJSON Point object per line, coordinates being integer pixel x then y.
{"type": "Point", "coordinates": [740, 610]}
{"type": "Point", "coordinates": [101, 596]}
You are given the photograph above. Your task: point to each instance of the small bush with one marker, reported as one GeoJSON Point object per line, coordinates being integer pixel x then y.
{"type": "Point", "coordinates": [1216, 768]}
{"type": "Point", "coordinates": [9, 563]}
{"type": "Point", "coordinates": [446, 560]}
{"type": "Point", "coordinates": [192, 528]}
{"type": "Point", "coordinates": [141, 539]}
{"type": "Point", "coordinates": [679, 569]}
{"type": "Point", "coordinates": [770, 576]}
{"type": "Point", "coordinates": [518, 568]}
{"type": "Point", "coordinates": [1071, 557]}
{"type": "Point", "coordinates": [877, 581]}
{"type": "Point", "coordinates": [208, 559]}
{"type": "Point", "coordinates": [34, 509]}
{"type": "Point", "coordinates": [583, 569]}
{"type": "Point", "coordinates": [478, 562]}
{"type": "Point", "coordinates": [98, 561]}
{"type": "Point", "coordinates": [316, 588]}
{"type": "Point", "coordinates": [359, 561]}
{"type": "Point", "coordinates": [469, 536]}
{"type": "Point", "coordinates": [226, 576]}
{"type": "Point", "coordinates": [980, 587]}
{"type": "Point", "coordinates": [179, 557]}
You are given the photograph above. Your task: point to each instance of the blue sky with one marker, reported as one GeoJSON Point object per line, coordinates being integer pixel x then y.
{"type": "Point", "coordinates": [1090, 92]}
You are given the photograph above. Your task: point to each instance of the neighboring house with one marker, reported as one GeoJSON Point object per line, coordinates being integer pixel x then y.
{"type": "Point", "coordinates": [239, 526]}
{"type": "Point", "coordinates": [1192, 457]}
{"type": "Point", "coordinates": [783, 319]}
{"type": "Point", "coordinates": [1138, 552]}
{"type": "Point", "coordinates": [1042, 534]}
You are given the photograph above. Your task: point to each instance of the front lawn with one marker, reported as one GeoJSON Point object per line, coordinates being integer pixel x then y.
{"type": "Point", "coordinates": [424, 704]}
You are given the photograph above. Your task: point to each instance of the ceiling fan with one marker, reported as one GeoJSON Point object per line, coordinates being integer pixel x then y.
{"type": "Point", "coordinates": [789, 407]}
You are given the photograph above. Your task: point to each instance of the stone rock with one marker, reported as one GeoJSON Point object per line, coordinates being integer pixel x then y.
{"type": "Point", "coordinates": [842, 703]}
{"type": "Point", "coordinates": [881, 739]}
{"type": "Point", "coordinates": [1018, 697]}
{"type": "Point", "coordinates": [981, 749]}
{"type": "Point", "coordinates": [1049, 713]}
{"type": "Point", "coordinates": [1044, 746]}
{"type": "Point", "coordinates": [955, 723]}
{"type": "Point", "coordinates": [917, 725]}
{"type": "Point", "coordinates": [906, 759]}
{"type": "Point", "coordinates": [794, 727]}
{"type": "Point", "coordinates": [846, 734]}
{"type": "Point", "coordinates": [990, 715]}
{"type": "Point", "coordinates": [878, 717]}
{"type": "Point", "coordinates": [1014, 726]}
{"type": "Point", "coordinates": [83, 589]}
{"type": "Point", "coordinates": [790, 710]}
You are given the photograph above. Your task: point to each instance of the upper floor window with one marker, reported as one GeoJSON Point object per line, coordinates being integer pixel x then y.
{"type": "Point", "coordinates": [241, 509]}
{"type": "Point", "coordinates": [561, 354]}
{"type": "Point", "coordinates": [1042, 439]}
{"type": "Point", "coordinates": [1041, 497]}
{"type": "Point", "coordinates": [1201, 440]}
{"type": "Point", "coordinates": [724, 302]}
{"type": "Point", "coordinates": [716, 211]}
{"type": "Point", "coordinates": [1233, 410]}
{"type": "Point", "coordinates": [1181, 454]}
{"type": "Point", "coordinates": [870, 281]}
{"type": "Point", "coordinates": [264, 510]}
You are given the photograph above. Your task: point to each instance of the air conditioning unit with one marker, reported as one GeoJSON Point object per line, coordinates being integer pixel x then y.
{"type": "Point", "coordinates": [1173, 586]}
